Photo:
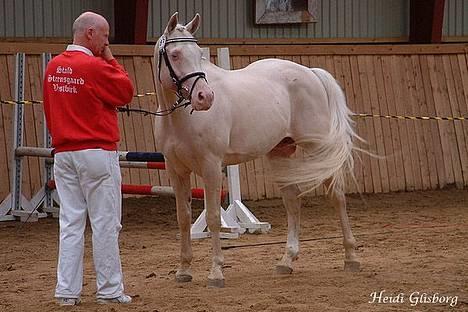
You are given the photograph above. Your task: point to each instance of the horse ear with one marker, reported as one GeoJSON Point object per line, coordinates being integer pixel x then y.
{"type": "Point", "coordinates": [192, 27]}
{"type": "Point", "coordinates": [172, 23]}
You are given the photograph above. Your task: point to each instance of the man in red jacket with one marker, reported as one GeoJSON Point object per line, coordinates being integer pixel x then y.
{"type": "Point", "coordinates": [83, 86]}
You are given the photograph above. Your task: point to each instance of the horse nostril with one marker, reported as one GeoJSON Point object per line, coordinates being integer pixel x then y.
{"type": "Point", "coordinates": [201, 96]}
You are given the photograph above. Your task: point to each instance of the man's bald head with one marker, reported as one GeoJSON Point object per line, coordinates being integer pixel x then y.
{"type": "Point", "coordinates": [91, 30]}
{"type": "Point", "coordinates": [88, 20]}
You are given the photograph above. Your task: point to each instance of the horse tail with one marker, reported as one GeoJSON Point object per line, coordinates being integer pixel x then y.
{"type": "Point", "coordinates": [339, 144]}
{"type": "Point", "coordinates": [330, 157]}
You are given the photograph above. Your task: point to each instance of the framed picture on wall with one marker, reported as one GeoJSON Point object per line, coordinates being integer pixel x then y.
{"type": "Point", "coordinates": [285, 11]}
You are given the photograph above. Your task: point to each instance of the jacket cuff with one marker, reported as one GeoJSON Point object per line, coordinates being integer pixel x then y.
{"type": "Point", "coordinates": [113, 62]}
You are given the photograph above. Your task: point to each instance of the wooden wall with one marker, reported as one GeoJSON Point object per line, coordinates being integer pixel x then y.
{"type": "Point", "coordinates": [47, 18]}
{"type": "Point", "coordinates": [337, 20]}
{"type": "Point", "coordinates": [350, 19]}
{"type": "Point", "coordinates": [420, 80]}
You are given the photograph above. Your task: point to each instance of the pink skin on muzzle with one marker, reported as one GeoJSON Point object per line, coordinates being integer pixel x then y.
{"type": "Point", "coordinates": [202, 97]}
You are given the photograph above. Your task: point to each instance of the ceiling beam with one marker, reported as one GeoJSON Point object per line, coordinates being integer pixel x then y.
{"type": "Point", "coordinates": [130, 21]}
{"type": "Point", "coordinates": [426, 20]}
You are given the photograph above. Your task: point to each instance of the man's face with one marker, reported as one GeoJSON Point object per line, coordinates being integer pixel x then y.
{"type": "Point", "coordinates": [99, 39]}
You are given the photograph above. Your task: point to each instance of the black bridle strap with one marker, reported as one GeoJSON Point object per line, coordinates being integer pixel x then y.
{"type": "Point", "coordinates": [169, 67]}
{"type": "Point", "coordinates": [188, 76]}
{"type": "Point", "coordinates": [195, 82]}
{"type": "Point", "coordinates": [163, 41]}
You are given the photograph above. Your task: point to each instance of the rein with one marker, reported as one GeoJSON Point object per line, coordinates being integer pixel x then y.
{"type": "Point", "coordinates": [160, 113]}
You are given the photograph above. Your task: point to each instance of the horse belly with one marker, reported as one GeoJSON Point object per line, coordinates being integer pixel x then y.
{"type": "Point", "coordinates": [251, 145]}
{"type": "Point", "coordinates": [235, 159]}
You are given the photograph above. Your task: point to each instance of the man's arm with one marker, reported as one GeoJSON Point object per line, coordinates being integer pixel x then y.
{"type": "Point", "coordinates": [114, 85]}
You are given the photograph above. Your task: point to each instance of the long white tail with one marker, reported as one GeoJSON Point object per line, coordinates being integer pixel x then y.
{"type": "Point", "coordinates": [332, 155]}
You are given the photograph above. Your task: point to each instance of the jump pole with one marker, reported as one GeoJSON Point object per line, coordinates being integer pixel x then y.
{"type": "Point", "coordinates": [134, 160]}
{"type": "Point", "coordinates": [197, 193]}
{"type": "Point", "coordinates": [123, 155]}
{"type": "Point", "coordinates": [143, 160]}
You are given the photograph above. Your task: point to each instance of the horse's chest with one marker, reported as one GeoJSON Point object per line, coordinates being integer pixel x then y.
{"type": "Point", "coordinates": [175, 146]}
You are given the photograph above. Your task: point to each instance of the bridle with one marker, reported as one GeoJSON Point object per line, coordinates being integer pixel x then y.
{"type": "Point", "coordinates": [182, 101]}
{"type": "Point", "coordinates": [163, 41]}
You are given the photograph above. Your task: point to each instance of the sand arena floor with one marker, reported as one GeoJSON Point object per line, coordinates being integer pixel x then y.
{"type": "Point", "coordinates": [407, 243]}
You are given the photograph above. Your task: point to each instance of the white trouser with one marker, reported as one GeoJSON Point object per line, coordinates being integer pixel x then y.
{"type": "Point", "coordinates": [88, 182]}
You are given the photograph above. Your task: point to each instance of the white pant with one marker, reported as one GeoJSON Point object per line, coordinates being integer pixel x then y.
{"type": "Point", "coordinates": [88, 182]}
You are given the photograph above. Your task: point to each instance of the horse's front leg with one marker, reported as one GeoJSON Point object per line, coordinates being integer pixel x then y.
{"type": "Point", "coordinates": [181, 185]}
{"type": "Point", "coordinates": [213, 181]}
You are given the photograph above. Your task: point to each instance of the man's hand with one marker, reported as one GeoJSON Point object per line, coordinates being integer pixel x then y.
{"type": "Point", "coordinates": [107, 54]}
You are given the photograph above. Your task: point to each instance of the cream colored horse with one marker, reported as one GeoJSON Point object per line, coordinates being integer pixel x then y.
{"type": "Point", "coordinates": [267, 108]}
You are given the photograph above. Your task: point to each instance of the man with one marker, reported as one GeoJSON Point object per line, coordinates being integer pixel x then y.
{"type": "Point", "coordinates": [83, 86]}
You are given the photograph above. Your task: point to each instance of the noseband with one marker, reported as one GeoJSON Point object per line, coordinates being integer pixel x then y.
{"type": "Point", "coordinates": [163, 41]}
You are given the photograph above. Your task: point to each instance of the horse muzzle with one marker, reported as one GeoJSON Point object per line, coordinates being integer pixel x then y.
{"type": "Point", "coordinates": [202, 99]}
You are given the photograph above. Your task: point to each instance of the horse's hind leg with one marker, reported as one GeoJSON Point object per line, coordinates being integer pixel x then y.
{"type": "Point", "coordinates": [293, 209]}
{"type": "Point", "coordinates": [339, 201]}
{"type": "Point", "coordinates": [292, 203]}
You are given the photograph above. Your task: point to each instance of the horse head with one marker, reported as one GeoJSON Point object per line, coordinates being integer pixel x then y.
{"type": "Point", "coordinates": [180, 64]}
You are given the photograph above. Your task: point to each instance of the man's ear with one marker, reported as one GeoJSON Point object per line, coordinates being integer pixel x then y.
{"type": "Point", "coordinates": [194, 24]}
{"type": "Point", "coordinates": [89, 32]}
{"type": "Point", "coordinates": [172, 23]}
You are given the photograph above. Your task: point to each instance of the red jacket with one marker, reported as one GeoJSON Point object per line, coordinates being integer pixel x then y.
{"type": "Point", "coordinates": [81, 93]}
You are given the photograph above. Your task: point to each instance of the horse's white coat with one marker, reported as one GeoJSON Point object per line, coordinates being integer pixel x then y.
{"type": "Point", "coordinates": [267, 108]}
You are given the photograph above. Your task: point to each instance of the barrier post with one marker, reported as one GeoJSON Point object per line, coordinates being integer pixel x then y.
{"type": "Point", "coordinates": [18, 132]}
{"type": "Point", "coordinates": [12, 201]}
{"type": "Point", "coordinates": [45, 196]}
{"type": "Point", "coordinates": [48, 166]}
{"type": "Point", "coordinates": [19, 206]}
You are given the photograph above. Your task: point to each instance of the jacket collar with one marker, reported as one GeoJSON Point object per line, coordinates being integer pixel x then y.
{"type": "Point", "coordinates": [76, 47]}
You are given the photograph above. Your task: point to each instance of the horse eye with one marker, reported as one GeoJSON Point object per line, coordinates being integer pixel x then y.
{"type": "Point", "coordinates": [175, 54]}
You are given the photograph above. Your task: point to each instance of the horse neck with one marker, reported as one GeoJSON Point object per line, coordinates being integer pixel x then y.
{"type": "Point", "coordinates": [212, 70]}
{"type": "Point", "coordinates": [175, 119]}
{"type": "Point", "coordinates": [166, 98]}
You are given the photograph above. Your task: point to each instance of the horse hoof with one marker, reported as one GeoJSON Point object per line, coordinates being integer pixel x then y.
{"type": "Point", "coordinates": [283, 269]}
{"type": "Point", "coordinates": [352, 266]}
{"type": "Point", "coordinates": [216, 283]}
{"type": "Point", "coordinates": [183, 278]}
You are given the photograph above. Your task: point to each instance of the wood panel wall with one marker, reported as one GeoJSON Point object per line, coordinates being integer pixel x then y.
{"type": "Point", "coordinates": [422, 80]}
{"type": "Point", "coordinates": [47, 18]}
{"type": "Point", "coordinates": [335, 19]}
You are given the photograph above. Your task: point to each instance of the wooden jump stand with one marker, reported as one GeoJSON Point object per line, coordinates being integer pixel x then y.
{"type": "Point", "coordinates": [235, 220]}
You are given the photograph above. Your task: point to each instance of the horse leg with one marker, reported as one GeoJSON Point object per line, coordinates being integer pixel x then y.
{"type": "Point", "coordinates": [181, 186]}
{"type": "Point", "coordinates": [292, 203]}
{"type": "Point", "coordinates": [338, 200]}
{"type": "Point", "coordinates": [293, 208]}
{"type": "Point", "coordinates": [213, 182]}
